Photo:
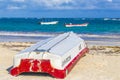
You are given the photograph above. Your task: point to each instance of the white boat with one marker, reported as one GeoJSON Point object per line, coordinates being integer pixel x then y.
{"type": "Point", "coordinates": [106, 19]}
{"type": "Point", "coordinates": [76, 25]}
{"type": "Point", "coordinates": [49, 23]}
{"type": "Point", "coordinates": [55, 56]}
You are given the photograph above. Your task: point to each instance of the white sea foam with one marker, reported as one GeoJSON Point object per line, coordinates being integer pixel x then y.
{"type": "Point", "coordinates": [99, 36]}
{"type": "Point", "coordinates": [30, 34]}
{"type": "Point", "coordinates": [22, 36]}
{"type": "Point", "coordinates": [26, 34]}
{"type": "Point", "coordinates": [113, 19]}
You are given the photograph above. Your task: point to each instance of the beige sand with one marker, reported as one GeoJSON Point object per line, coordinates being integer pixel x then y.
{"type": "Point", "coordinates": [102, 63]}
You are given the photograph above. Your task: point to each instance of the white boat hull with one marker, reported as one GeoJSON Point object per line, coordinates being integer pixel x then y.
{"type": "Point", "coordinates": [76, 25]}
{"type": "Point", "coordinates": [49, 23]}
{"type": "Point", "coordinates": [55, 56]}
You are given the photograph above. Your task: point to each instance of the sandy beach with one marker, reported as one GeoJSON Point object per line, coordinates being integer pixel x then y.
{"type": "Point", "coordinates": [102, 63]}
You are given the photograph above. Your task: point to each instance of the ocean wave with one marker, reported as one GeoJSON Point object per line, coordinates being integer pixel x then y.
{"type": "Point", "coordinates": [113, 19]}
{"type": "Point", "coordinates": [30, 34]}
{"type": "Point", "coordinates": [100, 36]}
{"type": "Point", "coordinates": [43, 34]}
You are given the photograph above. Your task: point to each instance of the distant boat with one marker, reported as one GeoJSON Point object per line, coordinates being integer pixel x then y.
{"type": "Point", "coordinates": [106, 19]}
{"type": "Point", "coordinates": [76, 25]}
{"type": "Point", "coordinates": [49, 23]}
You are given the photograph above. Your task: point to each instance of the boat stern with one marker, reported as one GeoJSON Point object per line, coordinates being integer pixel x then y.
{"type": "Point", "coordinates": [35, 65]}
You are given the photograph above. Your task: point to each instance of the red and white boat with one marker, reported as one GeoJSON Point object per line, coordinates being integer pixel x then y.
{"type": "Point", "coordinates": [76, 25]}
{"type": "Point", "coordinates": [55, 56]}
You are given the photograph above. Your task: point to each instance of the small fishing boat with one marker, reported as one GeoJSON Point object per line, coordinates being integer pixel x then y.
{"type": "Point", "coordinates": [76, 25]}
{"type": "Point", "coordinates": [56, 56]}
{"type": "Point", "coordinates": [49, 23]}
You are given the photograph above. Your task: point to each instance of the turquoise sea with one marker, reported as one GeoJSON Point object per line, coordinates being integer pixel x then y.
{"type": "Point", "coordinates": [28, 29]}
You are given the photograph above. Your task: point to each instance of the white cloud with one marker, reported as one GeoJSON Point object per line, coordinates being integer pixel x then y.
{"type": "Point", "coordinates": [68, 4]}
{"type": "Point", "coordinates": [18, 0]}
{"type": "Point", "coordinates": [11, 7]}
{"type": "Point", "coordinates": [61, 4]}
{"type": "Point", "coordinates": [62, 7]}
{"type": "Point", "coordinates": [55, 4]}
{"type": "Point", "coordinates": [109, 0]}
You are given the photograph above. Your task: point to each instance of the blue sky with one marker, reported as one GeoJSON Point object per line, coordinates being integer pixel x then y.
{"type": "Point", "coordinates": [60, 8]}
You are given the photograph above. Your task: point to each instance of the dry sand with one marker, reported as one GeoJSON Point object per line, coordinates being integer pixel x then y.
{"type": "Point", "coordinates": [102, 63]}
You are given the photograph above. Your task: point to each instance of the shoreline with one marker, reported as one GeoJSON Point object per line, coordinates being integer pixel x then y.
{"type": "Point", "coordinates": [35, 37]}
{"type": "Point", "coordinates": [103, 43]}
{"type": "Point", "coordinates": [50, 34]}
